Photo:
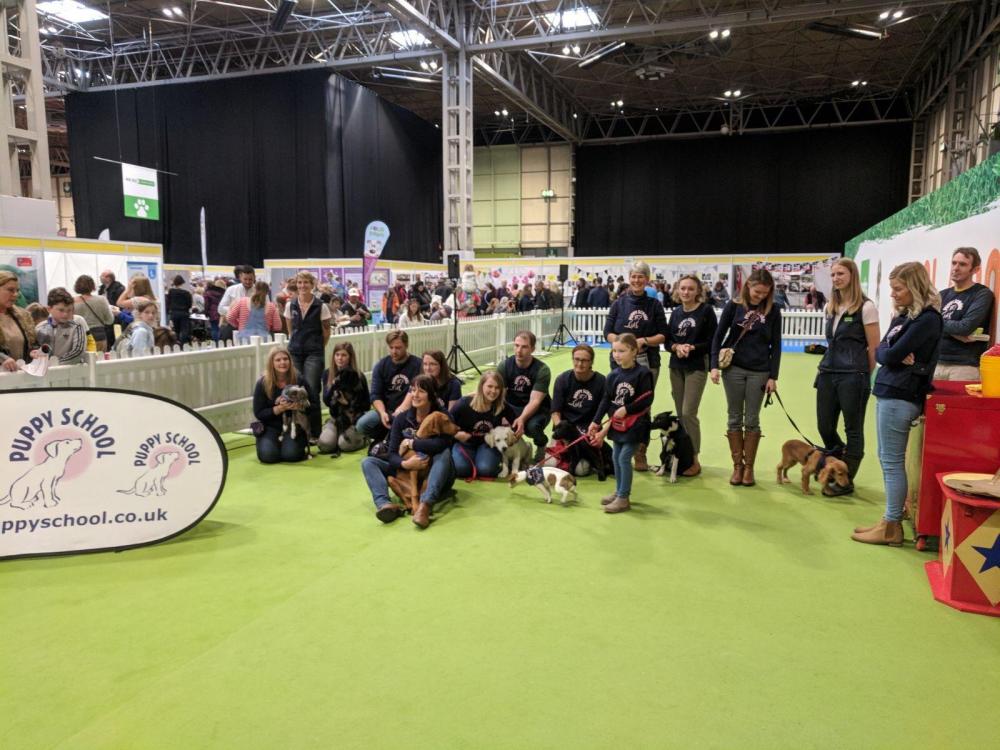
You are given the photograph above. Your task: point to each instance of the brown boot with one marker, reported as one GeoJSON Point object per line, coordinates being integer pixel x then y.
{"type": "Point", "coordinates": [639, 459]}
{"type": "Point", "coordinates": [617, 505]}
{"type": "Point", "coordinates": [750, 442]}
{"type": "Point", "coordinates": [884, 532]}
{"type": "Point", "coordinates": [694, 470]}
{"type": "Point", "coordinates": [422, 515]}
{"type": "Point", "coordinates": [736, 451]}
{"type": "Point", "coordinates": [608, 499]}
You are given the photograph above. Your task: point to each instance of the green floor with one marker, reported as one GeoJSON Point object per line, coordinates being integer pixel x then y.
{"type": "Point", "coordinates": [707, 617]}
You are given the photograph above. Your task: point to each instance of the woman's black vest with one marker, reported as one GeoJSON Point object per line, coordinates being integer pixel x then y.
{"type": "Point", "coordinates": [307, 332]}
{"type": "Point", "coordinates": [847, 347]}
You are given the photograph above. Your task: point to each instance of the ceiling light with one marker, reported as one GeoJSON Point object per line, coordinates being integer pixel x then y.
{"type": "Point", "coordinates": [408, 39]}
{"type": "Point", "coordinates": [434, 64]}
{"type": "Point", "coordinates": [575, 115]}
{"type": "Point", "coordinates": [713, 34]}
{"type": "Point", "coordinates": [71, 11]}
{"type": "Point", "coordinates": [425, 65]}
{"type": "Point", "coordinates": [898, 14]}
{"type": "Point", "coordinates": [504, 112]}
{"type": "Point", "coordinates": [496, 112]}
{"type": "Point", "coordinates": [738, 92]}
{"type": "Point", "coordinates": [168, 12]}
{"type": "Point", "coordinates": [728, 93]}
{"type": "Point", "coordinates": [45, 30]}
{"type": "Point", "coordinates": [726, 33]}
{"type": "Point", "coordinates": [178, 12]}
{"type": "Point", "coordinates": [572, 19]}
{"type": "Point", "coordinates": [621, 103]}
{"type": "Point", "coordinates": [600, 54]}
{"type": "Point", "coordinates": [566, 50]}
{"type": "Point", "coordinates": [52, 30]}
{"type": "Point", "coordinates": [883, 15]}
{"type": "Point", "coordinates": [855, 83]}
{"type": "Point", "coordinates": [864, 83]}
{"type": "Point", "coordinates": [576, 49]}
{"type": "Point", "coordinates": [78, 71]}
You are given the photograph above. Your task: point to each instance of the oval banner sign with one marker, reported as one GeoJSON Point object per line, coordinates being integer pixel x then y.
{"type": "Point", "coordinates": [89, 469]}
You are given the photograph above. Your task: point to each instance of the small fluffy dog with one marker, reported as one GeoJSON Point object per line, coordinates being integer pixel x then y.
{"type": "Point", "coordinates": [295, 419]}
{"type": "Point", "coordinates": [514, 451]}
{"type": "Point", "coordinates": [547, 480]}
{"type": "Point", "coordinates": [408, 484]}
{"type": "Point", "coordinates": [676, 448]}
{"type": "Point", "coordinates": [814, 463]}
{"type": "Point", "coordinates": [597, 458]}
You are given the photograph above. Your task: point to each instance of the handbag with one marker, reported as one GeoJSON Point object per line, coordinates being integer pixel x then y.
{"type": "Point", "coordinates": [99, 332]}
{"type": "Point", "coordinates": [625, 423]}
{"type": "Point", "coordinates": [726, 353]}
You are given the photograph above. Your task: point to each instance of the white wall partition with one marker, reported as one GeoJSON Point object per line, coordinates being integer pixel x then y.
{"type": "Point", "coordinates": [218, 382]}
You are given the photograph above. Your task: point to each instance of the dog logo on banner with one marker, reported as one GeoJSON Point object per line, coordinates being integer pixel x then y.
{"type": "Point", "coordinates": [38, 484]}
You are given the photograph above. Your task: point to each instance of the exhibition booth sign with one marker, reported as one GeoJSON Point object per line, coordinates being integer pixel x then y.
{"type": "Point", "coordinates": [87, 470]}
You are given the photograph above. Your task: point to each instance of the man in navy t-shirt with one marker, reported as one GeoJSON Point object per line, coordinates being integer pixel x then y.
{"type": "Point", "coordinates": [527, 380]}
{"type": "Point", "coordinates": [391, 379]}
{"type": "Point", "coordinates": [965, 306]}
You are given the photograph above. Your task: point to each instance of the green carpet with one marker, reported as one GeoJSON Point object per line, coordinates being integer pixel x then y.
{"type": "Point", "coordinates": [707, 617]}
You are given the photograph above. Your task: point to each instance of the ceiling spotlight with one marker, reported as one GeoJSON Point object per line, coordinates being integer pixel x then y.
{"type": "Point", "coordinates": [434, 64]}
{"type": "Point", "coordinates": [726, 33]}
{"type": "Point", "coordinates": [728, 93]}
{"type": "Point", "coordinates": [575, 115]}
{"type": "Point", "coordinates": [168, 12]}
{"type": "Point", "coordinates": [425, 65]}
{"type": "Point", "coordinates": [883, 15]}
{"type": "Point", "coordinates": [713, 34]}
{"type": "Point", "coordinates": [737, 92]}
{"type": "Point", "coordinates": [864, 83]}
{"type": "Point", "coordinates": [504, 112]}
{"type": "Point", "coordinates": [855, 83]}
{"type": "Point", "coordinates": [576, 49]}
{"type": "Point", "coordinates": [898, 14]}
{"type": "Point", "coordinates": [566, 50]}
{"type": "Point", "coordinates": [496, 112]}
{"type": "Point", "coordinates": [621, 103]}
{"type": "Point", "coordinates": [178, 12]}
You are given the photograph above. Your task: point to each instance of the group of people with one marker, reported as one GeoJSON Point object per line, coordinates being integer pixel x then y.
{"type": "Point", "coordinates": [931, 336]}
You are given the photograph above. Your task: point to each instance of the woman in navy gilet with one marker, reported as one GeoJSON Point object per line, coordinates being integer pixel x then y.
{"type": "Point", "coordinates": [309, 326]}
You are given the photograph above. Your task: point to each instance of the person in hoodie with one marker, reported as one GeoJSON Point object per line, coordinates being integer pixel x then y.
{"type": "Point", "coordinates": [637, 313]}
{"type": "Point", "coordinates": [423, 402]}
{"type": "Point", "coordinates": [908, 355]}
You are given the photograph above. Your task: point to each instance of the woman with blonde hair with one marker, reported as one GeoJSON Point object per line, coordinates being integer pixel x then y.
{"type": "Point", "coordinates": [139, 288]}
{"type": "Point", "coordinates": [475, 416]}
{"type": "Point", "coordinates": [908, 355]}
{"type": "Point", "coordinates": [746, 352]}
{"type": "Point", "coordinates": [255, 315]}
{"type": "Point", "coordinates": [17, 330]}
{"type": "Point", "coordinates": [269, 405]}
{"type": "Point", "coordinates": [843, 382]}
{"type": "Point", "coordinates": [692, 327]}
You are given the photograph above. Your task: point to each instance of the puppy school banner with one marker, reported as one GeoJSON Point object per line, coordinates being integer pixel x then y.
{"type": "Point", "coordinates": [87, 470]}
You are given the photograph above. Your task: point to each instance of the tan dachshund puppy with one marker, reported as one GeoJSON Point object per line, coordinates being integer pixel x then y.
{"type": "Point", "coordinates": [408, 484]}
{"type": "Point", "coordinates": [814, 463]}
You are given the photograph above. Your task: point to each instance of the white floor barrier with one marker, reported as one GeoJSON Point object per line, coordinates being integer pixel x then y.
{"type": "Point", "coordinates": [218, 382]}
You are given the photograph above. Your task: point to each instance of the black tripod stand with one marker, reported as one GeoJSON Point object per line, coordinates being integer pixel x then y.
{"type": "Point", "coordinates": [456, 351]}
{"type": "Point", "coordinates": [563, 334]}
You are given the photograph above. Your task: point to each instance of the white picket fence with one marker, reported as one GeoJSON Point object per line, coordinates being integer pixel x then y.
{"type": "Point", "coordinates": [218, 381]}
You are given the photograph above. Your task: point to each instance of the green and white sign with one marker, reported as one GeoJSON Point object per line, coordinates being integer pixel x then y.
{"type": "Point", "coordinates": [142, 197]}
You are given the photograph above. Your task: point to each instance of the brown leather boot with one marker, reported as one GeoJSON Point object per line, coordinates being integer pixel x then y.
{"type": "Point", "coordinates": [884, 532]}
{"type": "Point", "coordinates": [639, 459]}
{"type": "Point", "coordinates": [422, 515]}
{"type": "Point", "coordinates": [618, 505]}
{"type": "Point", "coordinates": [750, 442]}
{"type": "Point", "coordinates": [736, 451]}
{"type": "Point", "coordinates": [694, 470]}
{"type": "Point", "coordinates": [608, 499]}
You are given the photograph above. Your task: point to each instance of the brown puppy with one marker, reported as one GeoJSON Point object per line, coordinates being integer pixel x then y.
{"type": "Point", "coordinates": [799, 452]}
{"type": "Point", "coordinates": [408, 484]}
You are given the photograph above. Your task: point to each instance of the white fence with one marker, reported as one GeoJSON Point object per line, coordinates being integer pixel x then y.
{"type": "Point", "coordinates": [218, 382]}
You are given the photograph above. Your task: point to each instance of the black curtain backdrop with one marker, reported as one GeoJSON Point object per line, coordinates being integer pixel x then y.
{"type": "Point", "coordinates": [793, 192]}
{"type": "Point", "coordinates": [286, 166]}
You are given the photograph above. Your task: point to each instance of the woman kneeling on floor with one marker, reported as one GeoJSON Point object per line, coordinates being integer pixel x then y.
{"type": "Point", "coordinates": [475, 416]}
{"type": "Point", "coordinates": [345, 393]}
{"type": "Point", "coordinates": [269, 405]}
{"type": "Point", "coordinates": [402, 438]}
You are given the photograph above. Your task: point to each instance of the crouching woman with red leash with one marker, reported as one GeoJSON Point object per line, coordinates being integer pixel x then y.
{"type": "Point", "coordinates": [628, 396]}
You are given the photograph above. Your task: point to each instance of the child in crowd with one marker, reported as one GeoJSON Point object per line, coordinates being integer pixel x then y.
{"type": "Point", "coordinates": [627, 398]}
{"type": "Point", "coordinates": [141, 338]}
{"type": "Point", "coordinates": [64, 332]}
{"type": "Point", "coordinates": [38, 313]}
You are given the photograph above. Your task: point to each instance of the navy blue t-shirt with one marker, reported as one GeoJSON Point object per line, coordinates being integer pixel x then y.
{"type": "Point", "coordinates": [577, 401]}
{"type": "Point", "coordinates": [391, 381]}
{"type": "Point", "coordinates": [478, 423]}
{"type": "Point", "coordinates": [624, 388]}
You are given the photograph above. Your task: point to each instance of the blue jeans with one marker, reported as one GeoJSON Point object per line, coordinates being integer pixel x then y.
{"type": "Point", "coordinates": [440, 479]}
{"type": "Point", "coordinates": [621, 456]}
{"type": "Point", "coordinates": [487, 460]}
{"type": "Point", "coordinates": [370, 425]}
{"type": "Point", "coordinates": [310, 367]}
{"type": "Point", "coordinates": [271, 451]}
{"type": "Point", "coordinates": [534, 428]}
{"type": "Point", "coordinates": [213, 326]}
{"type": "Point", "coordinates": [893, 419]}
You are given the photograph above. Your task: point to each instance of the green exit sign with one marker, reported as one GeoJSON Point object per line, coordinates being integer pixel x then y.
{"type": "Point", "coordinates": [548, 193]}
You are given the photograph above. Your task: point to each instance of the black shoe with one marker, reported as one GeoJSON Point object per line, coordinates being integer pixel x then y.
{"type": "Point", "coordinates": [388, 513]}
{"type": "Point", "coordinates": [836, 490]}
{"type": "Point", "coordinates": [335, 454]}
{"type": "Point", "coordinates": [539, 454]}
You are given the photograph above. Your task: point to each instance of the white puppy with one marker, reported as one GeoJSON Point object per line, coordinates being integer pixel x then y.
{"type": "Point", "coordinates": [514, 451]}
{"type": "Point", "coordinates": [39, 482]}
{"type": "Point", "coordinates": [150, 482]}
{"type": "Point", "coordinates": [547, 480]}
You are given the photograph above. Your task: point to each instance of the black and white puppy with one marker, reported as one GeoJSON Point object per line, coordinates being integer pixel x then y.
{"type": "Point", "coordinates": [296, 418]}
{"type": "Point", "coordinates": [597, 459]}
{"type": "Point", "coordinates": [676, 448]}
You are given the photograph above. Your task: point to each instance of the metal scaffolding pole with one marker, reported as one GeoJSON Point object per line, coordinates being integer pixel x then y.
{"type": "Point", "coordinates": [456, 133]}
